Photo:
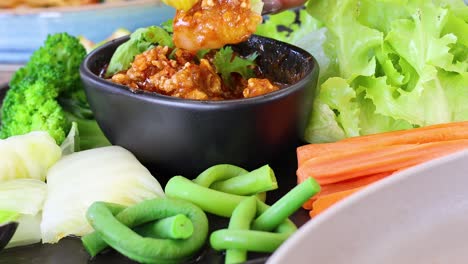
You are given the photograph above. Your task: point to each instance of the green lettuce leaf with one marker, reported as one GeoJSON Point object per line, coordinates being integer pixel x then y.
{"type": "Point", "coordinates": [420, 42]}
{"type": "Point", "coordinates": [376, 14]}
{"type": "Point", "coordinates": [140, 41]}
{"type": "Point", "coordinates": [418, 107]}
{"type": "Point", "coordinates": [309, 34]}
{"type": "Point", "coordinates": [353, 43]}
{"type": "Point", "coordinates": [323, 126]}
{"type": "Point", "coordinates": [371, 122]}
{"type": "Point", "coordinates": [341, 98]}
{"type": "Point", "coordinates": [458, 7]}
{"type": "Point", "coordinates": [285, 25]}
{"type": "Point", "coordinates": [456, 87]}
{"type": "Point", "coordinates": [271, 27]}
{"type": "Point", "coordinates": [394, 64]}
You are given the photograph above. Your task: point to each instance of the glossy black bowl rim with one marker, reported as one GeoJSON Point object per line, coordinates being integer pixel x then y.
{"type": "Point", "coordinates": [190, 103]}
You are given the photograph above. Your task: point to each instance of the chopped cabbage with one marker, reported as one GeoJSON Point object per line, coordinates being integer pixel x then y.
{"type": "Point", "coordinates": [28, 231]}
{"type": "Point", "coordinates": [27, 156]}
{"type": "Point", "coordinates": [110, 174]}
{"type": "Point", "coordinates": [23, 198]}
{"type": "Point", "coordinates": [72, 141]}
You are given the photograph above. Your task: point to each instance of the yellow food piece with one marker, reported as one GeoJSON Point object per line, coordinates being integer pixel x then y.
{"type": "Point", "coordinates": [184, 5]}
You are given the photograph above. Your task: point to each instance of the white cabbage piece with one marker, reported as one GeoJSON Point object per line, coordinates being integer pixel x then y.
{"type": "Point", "coordinates": [72, 141]}
{"type": "Point", "coordinates": [28, 156]}
{"type": "Point", "coordinates": [28, 231]}
{"type": "Point", "coordinates": [110, 174]}
{"type": "Point", "coordinates": [26, 197]}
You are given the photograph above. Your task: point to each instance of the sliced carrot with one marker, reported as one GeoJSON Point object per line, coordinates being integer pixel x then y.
{"type": "Point", "coordinates": [327, 201]}
{"type": "Point", "coordinates": [327, 189]}
{"type": "Point", "coordinates": [433, 133]}
{"type": "Point", "coordinates": [361, 162]}
{"type": "Point", "coordinates": [344, 186]}
{"type": "Point", "coordinates": [308, 205]}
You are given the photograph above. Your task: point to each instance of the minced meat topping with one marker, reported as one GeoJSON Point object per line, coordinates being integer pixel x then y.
{"type": "Point", "coordinates": [179, 73]}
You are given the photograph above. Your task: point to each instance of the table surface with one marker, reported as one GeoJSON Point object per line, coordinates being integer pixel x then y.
{"type": "Point", "coordinates": [5, 76]}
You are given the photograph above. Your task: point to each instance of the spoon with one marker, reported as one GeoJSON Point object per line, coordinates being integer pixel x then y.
{"type": "Point", "coordinates": [7, 231]}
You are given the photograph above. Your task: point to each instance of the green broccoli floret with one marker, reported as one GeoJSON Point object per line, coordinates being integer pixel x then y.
{"type": "Point", "coordinates": [47, 94]}
{"type": "Point", "coordinates": [62, 54]}
{"type": "Point", "coordinates": [19, 75]}
{"type": "Point", "coordinates": [32, 105]}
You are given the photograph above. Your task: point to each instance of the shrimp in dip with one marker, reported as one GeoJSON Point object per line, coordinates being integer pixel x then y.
{"type": "Point", "coordinates": [211, 24]}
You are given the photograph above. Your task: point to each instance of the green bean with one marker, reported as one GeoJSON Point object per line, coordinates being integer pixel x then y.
{"type": "Point", "coordinates": [286, 205]}
{"type": "Point", "coordinates": [287, 226]}
{"type": "Point", "coordinates": [218, 173]}
{"type": "Point", "coordinates": [241, 218]}
{"type": "Point", "coordinates": [212, 201]}
{"type": "Point", "coordinates": [175, 227]}
{"type": "Point", "coordinates": [116, 232]}
{"type": "Point", "coordinates": [249, 240]}
{"type": "Point", "coordinates": [92, 242]}
{"type": "Point", "coordinates": [260, 180]}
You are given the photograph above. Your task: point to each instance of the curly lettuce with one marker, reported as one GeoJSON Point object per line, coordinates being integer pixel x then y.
{"type": "Point", "coordinates": [140, 41]}
{"type": "Point", "coordinates": [384, 64]}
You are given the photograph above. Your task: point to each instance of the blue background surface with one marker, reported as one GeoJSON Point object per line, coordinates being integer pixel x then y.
{"type": "Point", "coordinates": [21, 34]}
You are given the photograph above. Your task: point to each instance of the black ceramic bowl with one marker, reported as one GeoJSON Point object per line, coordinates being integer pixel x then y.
{"type": "Point", "coordinates": [179, 136]}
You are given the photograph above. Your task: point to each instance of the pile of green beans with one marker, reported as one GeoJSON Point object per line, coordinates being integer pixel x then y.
{"type": "Point", "coordinates": [156, 218]}
{"type": "Point", "coordinates": [235, 180]}
{"type": "Point", "coordinates": [229, 191]}
{"type": "Point", "coordinates": [268, 230]}
{"type": "Point", "coordinates": [172, 229]}
{"type": "Point", "coordinates": [220, 188]}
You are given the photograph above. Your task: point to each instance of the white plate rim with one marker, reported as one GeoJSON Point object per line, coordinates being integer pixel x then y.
{"type": "Point", "coordinates": [317, 221]}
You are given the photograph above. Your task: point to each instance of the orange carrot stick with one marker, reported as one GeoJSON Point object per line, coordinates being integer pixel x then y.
{"type": "Point", "coordinates": [344, 186]}
{"type": "Point", "coordinates": [433, 133]}
{"type": "Point", "coordinates": [335, 168]}
{"type": "Point", "coordinates": [327, 189]}
{"type": "Point", "coordinates": [327, 201]}
{"type": "Point", "coordinates": [309, 204]}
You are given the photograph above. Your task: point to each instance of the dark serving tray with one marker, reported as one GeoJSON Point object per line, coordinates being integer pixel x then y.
{"type": "Point", "coordinates": [70, 250]}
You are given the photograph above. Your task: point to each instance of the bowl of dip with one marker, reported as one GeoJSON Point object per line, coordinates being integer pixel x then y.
{"type": "Point", "coordinates": [185, 136]}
